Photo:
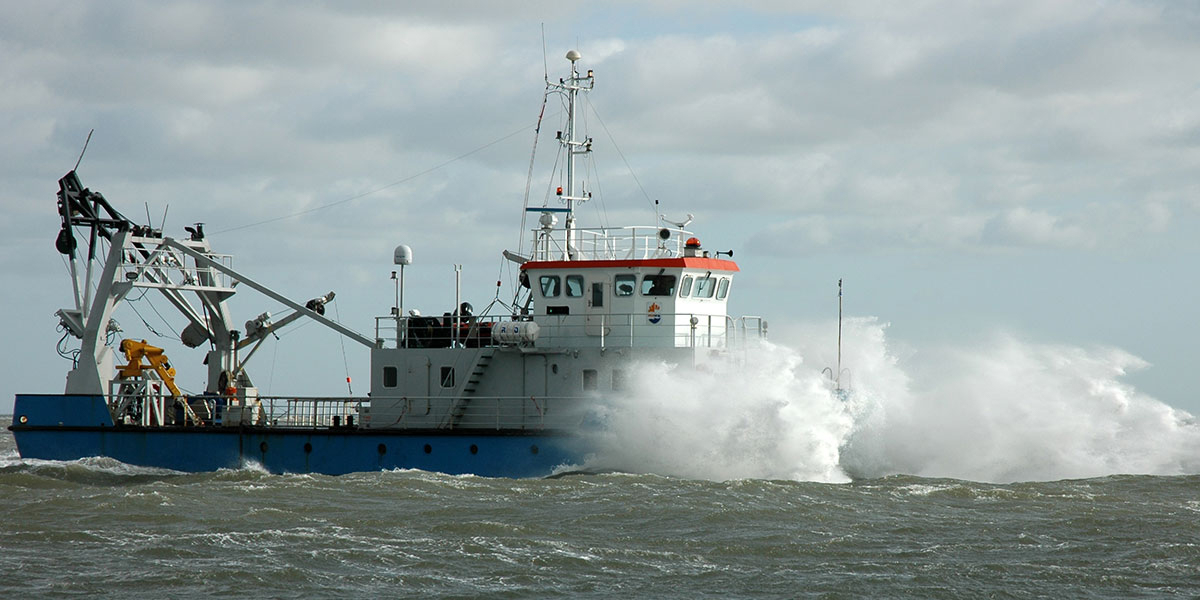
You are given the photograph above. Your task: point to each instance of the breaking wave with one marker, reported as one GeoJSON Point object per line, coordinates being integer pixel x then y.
{"type": "Point", "coordinates": [1007, 410]}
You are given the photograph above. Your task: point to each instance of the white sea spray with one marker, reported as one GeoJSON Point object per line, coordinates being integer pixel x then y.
{"type": "Point", "coordinates": [1000, 410]}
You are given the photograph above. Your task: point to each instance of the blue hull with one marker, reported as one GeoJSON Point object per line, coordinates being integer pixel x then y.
{"type": "Point", "coordinates": [62, 427]}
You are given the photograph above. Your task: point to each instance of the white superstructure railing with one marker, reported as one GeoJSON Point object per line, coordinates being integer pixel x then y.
{"type": "Point", "coordinates": [610, 243]}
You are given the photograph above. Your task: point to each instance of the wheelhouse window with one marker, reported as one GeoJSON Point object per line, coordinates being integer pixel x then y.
{"type": "Point", "coordinates": [685, 287]}
{"type": "Point", "coordinates": [723, 288]}
{"type": "Point", "coordinates": [658, 285]}
{"type": "Point", "coordinates": [574, 286]}
{"type": "Point", "coordinates": [705, 286]}
{"type": "Point", "coordinates": [624, 284]}
{"type": "Point", "coordinates": [551, 286]}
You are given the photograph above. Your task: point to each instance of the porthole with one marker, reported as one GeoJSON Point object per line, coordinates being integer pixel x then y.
{"type": "Point", "coordinates": [533, 449]}
{"type": "Point", "coordinates": [474, 449]}
{"type": "Point", "coordinates": [554, 368]}
{"type": "Point", "coordinates": [24, 419]}
{"type": "Point", "coordinates": [263, 447]}
{"type": "Point", "coordinates": [428, 449]}
{"type": "Point", "coordinates": [307, 448]}
{"type": "Point", "coordinates": [382, 449]}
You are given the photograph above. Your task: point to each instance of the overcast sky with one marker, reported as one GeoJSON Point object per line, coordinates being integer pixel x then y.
{"type": "Point", "coordinates": [971, 169]}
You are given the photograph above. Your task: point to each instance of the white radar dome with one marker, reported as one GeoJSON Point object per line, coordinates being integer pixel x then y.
{"type": "Point", "coordinates": [403, 255]}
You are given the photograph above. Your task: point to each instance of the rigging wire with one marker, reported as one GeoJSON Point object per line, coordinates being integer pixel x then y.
{"type": "Point", "coordinates": [537, 130]}
{"type": "Point", "coordinates": [623, 159]}
{"type": "Point", "coordinates": [147, 324]}
{"type": "Point", "coordinates": [342, 341]}
{"type": "Point", "coordinates": [164, 319]}
{"type": "Point", "coordinates": [274, 358]}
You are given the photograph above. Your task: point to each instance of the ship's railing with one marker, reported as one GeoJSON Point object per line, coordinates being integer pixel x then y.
{"type": "Point", "coordinates": [475, 412]}
{"type": "Point", "coordinates": [148, 263]}
{"type": "Point", "coordinates": [139, 408]}
{"type": "Point", "coordinates": [654, 330]}
{"type": "Point", "coordinates": [445, 331]}
{"type": "Point", "coordinates": [610, 243]}
{"type": "Point", "coordinates": [675, 330]}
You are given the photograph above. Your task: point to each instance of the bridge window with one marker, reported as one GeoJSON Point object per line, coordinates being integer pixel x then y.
{"type": "Point", "coordinates": [723, 288]}
{"type": "Point", "coordinates": [574, 285]}
{"type": "Point", "coordinates": [658, 285]}
{"type": "Point", "coordinates": [551, 286]}
{"type": "Point", "coordinates": [389, 377]}
{"type": "Point", "coordinates": [685, 288]}
{"type": "Point", "coordinates": [625, 284]}
{"type": "Point", "coordinates": [705, 287]}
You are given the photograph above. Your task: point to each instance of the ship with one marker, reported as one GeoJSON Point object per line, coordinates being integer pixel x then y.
{"type": "Point", "coordinates": [511, 394]}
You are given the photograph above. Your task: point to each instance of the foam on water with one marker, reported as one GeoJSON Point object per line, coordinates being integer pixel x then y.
{"type": "Point", "coordinates": [1005, 410]}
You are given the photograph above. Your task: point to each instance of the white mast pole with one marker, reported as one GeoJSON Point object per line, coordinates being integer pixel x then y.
{"type": "Point", "coordinates": [572, 86]}
{"type": "Point", "coordinates": [572, 92]}
{"type": "Point", "coordinates": [839, 356]}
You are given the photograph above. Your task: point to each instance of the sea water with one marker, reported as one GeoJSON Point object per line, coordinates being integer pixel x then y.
{"type": "Point", "coordinates": [1021, 470]}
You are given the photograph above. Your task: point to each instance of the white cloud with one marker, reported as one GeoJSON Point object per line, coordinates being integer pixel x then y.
{"type": "Point", "coordinates": [1022, 225]}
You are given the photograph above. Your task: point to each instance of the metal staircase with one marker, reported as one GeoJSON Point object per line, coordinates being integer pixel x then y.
{"type": "Point", "coordinates": [469, 387]}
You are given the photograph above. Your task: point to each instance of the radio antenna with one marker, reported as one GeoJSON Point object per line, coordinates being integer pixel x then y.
{"type": "Point", "coordinates": [545, 64]}
{"type": "Point", "coordinates": [85, 145]}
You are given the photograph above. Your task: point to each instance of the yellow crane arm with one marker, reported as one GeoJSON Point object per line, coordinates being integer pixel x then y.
{"type": "Point", "coordinates": [135, 351]}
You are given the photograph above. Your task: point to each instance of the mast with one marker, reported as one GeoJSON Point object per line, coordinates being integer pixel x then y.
{"type": "Point", "coordinates": [573, 144]}
{"type": "Point", "coordinates": [839, 356]}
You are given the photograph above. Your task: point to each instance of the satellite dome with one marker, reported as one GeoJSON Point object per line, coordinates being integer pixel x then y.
{"type": "Point", "coordinates": [403, 255]}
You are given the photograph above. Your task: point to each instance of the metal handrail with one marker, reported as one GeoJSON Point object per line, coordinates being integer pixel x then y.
{"type": "Point", "coordinates": [294, 412]}
{"type": "Point", "coordinates": [611, 243]}
{"type": "Point", "coordinates": [606, 329]}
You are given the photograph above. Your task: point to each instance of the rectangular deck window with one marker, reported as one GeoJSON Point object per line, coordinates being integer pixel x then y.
{"type": "Point", "coordinates": [658, 285]}
{"type": "Point", "coordinates": [624, 284]}
{"type": "Point", "coordinates": [723, 288]}
{"type": "Point", "coordinates": [685, 288]}
{"type": "Point", "coordinates": [591, 379]}
{"type": "Point", "coordinates": [447, 377]}
{"type": "Point", "coordinates": [389, 377]}
{"type": "Point", "coordinates": [574, 285]}
{"type": "Point", "coordinates": [551, 285]}
{"type": "Point", "coordinates": [618, 382]}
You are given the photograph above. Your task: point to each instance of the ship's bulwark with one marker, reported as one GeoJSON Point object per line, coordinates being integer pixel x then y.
{"type": "Point", "coordinates": [66, 427]}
